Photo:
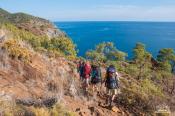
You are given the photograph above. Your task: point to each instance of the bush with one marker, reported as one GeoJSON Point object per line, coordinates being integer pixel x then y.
{"type": "Point", "coordinates": [16, 51]}
{"type": "Point", "coordinates": [9, 108]}
{"type": "Point", "coordinates": [106, 51]}
{"type": "Point", "coordinates": [57, 110]}
{"type": "Point", "coordinates": [141, 96]}
{"type": "Point", "coordinates": [60, 44]}
{"type": "Point", "coordinates": [41, 111]}
{"type": "Point", "coordinates": [64, 45]}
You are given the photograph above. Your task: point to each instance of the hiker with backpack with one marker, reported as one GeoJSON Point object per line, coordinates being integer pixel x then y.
{"type": "Point", "coordinates": [86, 74]}
{"type": "Point", "coordinates": [95, 77]}
{"type": "Point", "coordinates": [111, 84]}
{"type": "Point", "coordinates": [80, 68]}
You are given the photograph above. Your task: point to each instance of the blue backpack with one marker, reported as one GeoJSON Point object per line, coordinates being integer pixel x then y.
{"type": "Point", "coordinates": [96, 75]}
{"type": "Point", "coordinates": [111, 82]}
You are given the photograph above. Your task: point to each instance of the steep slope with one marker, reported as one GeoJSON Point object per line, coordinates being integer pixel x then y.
{"type": "Point", "coordinates": [44, 81]}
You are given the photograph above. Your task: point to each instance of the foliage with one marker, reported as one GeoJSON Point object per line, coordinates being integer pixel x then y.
{"type": "Point", "coordinates": [60, 45]}
{"type": "Point", "coordinates": [17, 17]}
{"type": "Point", "coordinates": [142, 60]}
{"type": "Point", "coordinates": [106, 51]}
{"type": "Point", "coordinates": [132, 70]}
{"type": "Point", "coordinates": [57, 110]}
{"type": "Point", "coordinates": [146, 85]}
{"type": "Point", "coordinates": [65, 45]}
{"type": "Point", "coordinates": [15, 50]}
{"type": "Point", "coordinates": [41, 112]}
{"type": "Point", "coordinates": [166, 58]}
{"type": "Point", "coordinates": [21, 17]}
{"type": "Point", "coordinates": [166, 54]}
{"type": "Point", "coordinates": [140, 96]}
{"type": "Point", "coordinates": [9, 108]}
{"type": "Point", "coordinates": [93, 55]}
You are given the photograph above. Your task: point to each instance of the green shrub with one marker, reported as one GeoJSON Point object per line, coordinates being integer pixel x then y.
{"type": "Point", "coordinates": [61, 44]}
{"type": "Point", "coordinates": [106, 51]}
{"type": "Point", "coordinates": [143, 96]}
{"type": "Point", "coordinates": [65, 45]}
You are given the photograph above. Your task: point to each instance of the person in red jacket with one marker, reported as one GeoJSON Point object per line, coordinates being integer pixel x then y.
{"type": "Point", "coordinates": [86, 73]}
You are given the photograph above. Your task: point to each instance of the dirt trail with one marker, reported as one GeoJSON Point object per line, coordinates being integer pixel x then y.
{"type": "Point", "coordinates": [94, 105]}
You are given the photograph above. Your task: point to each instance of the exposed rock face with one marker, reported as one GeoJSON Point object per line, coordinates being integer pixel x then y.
{"type": "Point", "coordinates": [41, 27]}
{"type": "Point", "coordinates": [3, 35]}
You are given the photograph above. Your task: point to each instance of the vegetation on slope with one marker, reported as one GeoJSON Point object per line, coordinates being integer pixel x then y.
{"type": "Point", "coordinates": [13, 109]}
{"type": "Point", "coordinates": [35, 25]}
{"type": "Point", "coordinates": [146, 83]}
{"type": "Point", "coordinates": [60, 46]}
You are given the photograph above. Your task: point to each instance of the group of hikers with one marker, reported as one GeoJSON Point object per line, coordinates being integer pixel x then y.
{"type": "Point", "coordinates": [92, 75]}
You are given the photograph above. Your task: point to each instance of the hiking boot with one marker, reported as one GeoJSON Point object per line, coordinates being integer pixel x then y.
{"type": "Point", "coordinates": [112, 104]}
{"type": "Point", "coordinates": [106, 102]}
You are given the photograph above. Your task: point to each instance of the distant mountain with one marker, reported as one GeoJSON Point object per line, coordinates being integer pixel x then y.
{"type": "Point", "coordinates": [36, 25]}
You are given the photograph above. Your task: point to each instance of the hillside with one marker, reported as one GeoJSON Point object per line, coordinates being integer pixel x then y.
{"type": "Point", "coordinates": [36, 25]}
{"type": "Point", "coordinates": [34, 81]}
{"type": "Point", "coordinates": [38, 74]}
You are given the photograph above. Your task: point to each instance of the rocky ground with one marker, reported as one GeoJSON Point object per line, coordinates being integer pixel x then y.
{"type": "Point", "coordinates": [46, 81]}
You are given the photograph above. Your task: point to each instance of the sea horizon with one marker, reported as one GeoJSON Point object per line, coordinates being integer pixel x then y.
{"type": "Point", "coordinates": [124, 34]}
{"type": "Point", "coordinates": [144, 21]}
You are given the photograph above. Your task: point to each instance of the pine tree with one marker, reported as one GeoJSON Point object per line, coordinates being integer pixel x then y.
{"type": "Point", "coordinates": [142, 59]}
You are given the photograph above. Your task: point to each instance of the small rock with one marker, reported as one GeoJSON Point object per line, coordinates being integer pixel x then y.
{"type": "Point", "coordinates": [77, 109]}
{"type": "Point", "coordinates": [115, 109]}
{"type": "Point", "coordinates": [92, 109]}
{"type": "Point", "coordinates": [80, 113]}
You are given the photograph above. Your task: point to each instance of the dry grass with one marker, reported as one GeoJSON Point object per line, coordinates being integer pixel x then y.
{"type": "Point", "coordinates": [9, 108]}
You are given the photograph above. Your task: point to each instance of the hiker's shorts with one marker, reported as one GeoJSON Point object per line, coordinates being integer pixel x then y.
{"type": "Point", "coordinates": [111, 92]}
{"type": "Point", "coordinates": [86, 81]}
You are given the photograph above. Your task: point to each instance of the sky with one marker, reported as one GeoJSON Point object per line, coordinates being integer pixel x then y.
{"type": "Point", "coordinates": [94, 10]}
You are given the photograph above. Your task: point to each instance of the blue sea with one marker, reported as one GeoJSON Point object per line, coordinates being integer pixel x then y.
{"type": "Point", "coordinates": [125, 35]}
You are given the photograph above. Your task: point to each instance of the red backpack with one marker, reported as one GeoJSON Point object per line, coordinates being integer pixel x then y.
{"type": "Point", "coordinates": [87, 70]}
